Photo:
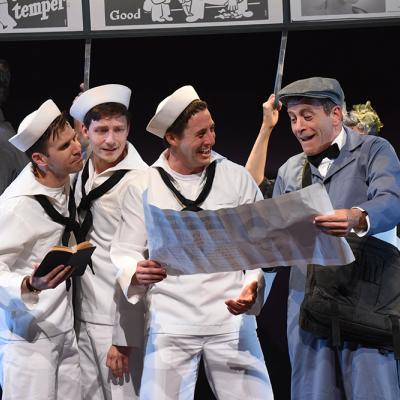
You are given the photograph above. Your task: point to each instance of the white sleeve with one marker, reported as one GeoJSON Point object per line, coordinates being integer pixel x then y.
{"type": "Point", "coordinates": [252, 193]}
{"type": "Point", "coordinates": [129, 323]}
{"type": "Point", "coordinates": [130, 243]}
{"type": "Point", "coordinates": [265, 281]}
{"type": "Point", "coordinates": [249, 191]}
{"type": "Point", "coordinates": [14, 235]}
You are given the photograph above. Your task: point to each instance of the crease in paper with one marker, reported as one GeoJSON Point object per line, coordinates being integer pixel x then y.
{"type": "Point", "coordinates": [268, 233]}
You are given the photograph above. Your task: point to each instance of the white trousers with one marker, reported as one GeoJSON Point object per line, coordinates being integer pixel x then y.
{"type": "Point", "coordinates": [98, 383]}
{"type": "Point", "coordinates": [46, 369]}
{"type": "Point", "coordinates": [234, 366]}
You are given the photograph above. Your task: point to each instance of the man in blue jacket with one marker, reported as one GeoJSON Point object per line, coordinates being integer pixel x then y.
{"type": "Point", "coordinates": [362, 176]}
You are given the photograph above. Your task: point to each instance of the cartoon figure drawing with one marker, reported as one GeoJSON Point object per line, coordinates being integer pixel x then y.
{"type": "Point", "coordinates": [232, 9]}
{"type": "Point", "coordinates": [160, 10]}
{"type": "Point", "coordinates": [186, 6]}
{"type": "Point", "coordinates": [6, 20]}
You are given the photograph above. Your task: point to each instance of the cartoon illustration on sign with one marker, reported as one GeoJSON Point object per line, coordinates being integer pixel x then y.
{"type": "Point", "coordinates": [6, 20]}
{"type": "Point", "coordinates": [174, 12]}
{"type": "Point", "coordinates": [230, 9]}
{"type": "Point", "coordinates": [25, 16]}
{"type": "Point", "coordinates": [160, 11]}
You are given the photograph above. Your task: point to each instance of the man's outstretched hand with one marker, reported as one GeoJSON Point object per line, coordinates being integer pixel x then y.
{"type": "Point", "coordinates": [245, 301]}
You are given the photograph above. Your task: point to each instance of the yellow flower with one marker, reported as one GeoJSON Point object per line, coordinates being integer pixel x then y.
{"type": "Point", "coordinates": [366, 115]}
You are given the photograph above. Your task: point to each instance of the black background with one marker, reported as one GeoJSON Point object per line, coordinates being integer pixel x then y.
{"type": "Point", "coordinates": [234, 73]}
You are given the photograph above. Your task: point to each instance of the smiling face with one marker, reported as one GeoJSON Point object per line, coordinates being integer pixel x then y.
{"type": "Point", "coordinates": [107, 137]}
{"type": "Point", "coordinates": [313, 127]}
{"type": "Point", "coordinates": [191, 152]}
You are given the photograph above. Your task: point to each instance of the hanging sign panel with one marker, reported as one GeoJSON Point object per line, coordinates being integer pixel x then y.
{"type": "Point", "coordinates": [309, 10]}
{"type": "Point", "coordinates": [28, 16]}
{"type": "Point", "coordinates": [159, 14]}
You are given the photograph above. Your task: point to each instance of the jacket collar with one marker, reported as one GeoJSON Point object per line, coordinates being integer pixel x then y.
{"type": "Point", "coordinates": [347, 154]}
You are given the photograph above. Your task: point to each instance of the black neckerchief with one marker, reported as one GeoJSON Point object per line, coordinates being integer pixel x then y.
{"type": "Point", "coordinates": [86, 200]}
{"type": "Point", "coordinates": [70, 223]}
{"type": "Point", "coordinates": [190, 205]}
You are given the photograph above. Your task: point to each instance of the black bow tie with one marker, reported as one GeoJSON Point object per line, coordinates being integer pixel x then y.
{"type": "Point", "coordinates": [331, 152]}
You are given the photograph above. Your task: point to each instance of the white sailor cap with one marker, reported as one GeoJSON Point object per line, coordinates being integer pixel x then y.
{"type": "Point", "coordinates": [170, 109]}
{"type": "Point", "coordinates": [34, 125]}
{"type": "Point", "coordinates": [112, 93]}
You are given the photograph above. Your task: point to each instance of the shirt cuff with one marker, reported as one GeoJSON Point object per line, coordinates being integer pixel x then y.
{"type": "Point", "coordinates": [135, 293]}
{"type": "Point", "coordinates": [362, 233]}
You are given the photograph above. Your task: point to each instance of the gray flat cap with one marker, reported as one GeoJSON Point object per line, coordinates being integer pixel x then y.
{"type": "Point", "coordinates": [316, 87]}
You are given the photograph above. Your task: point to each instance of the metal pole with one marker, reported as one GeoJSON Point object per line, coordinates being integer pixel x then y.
{"type": "Point", "coordinates": [86, 72]}
{"type": "Point", "coordinates": [279, 70]}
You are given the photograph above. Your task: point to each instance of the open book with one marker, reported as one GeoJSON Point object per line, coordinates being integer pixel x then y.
{"type": "Point", "coordinates": [77, 256]}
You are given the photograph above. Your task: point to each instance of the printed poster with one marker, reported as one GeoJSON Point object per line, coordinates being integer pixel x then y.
{"type": "Point", "coordinates": [158, 14]}
{"type": "Point", "coordinates": [309, 10]}
{"type": "Point", "coordinates": [26, 16]}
